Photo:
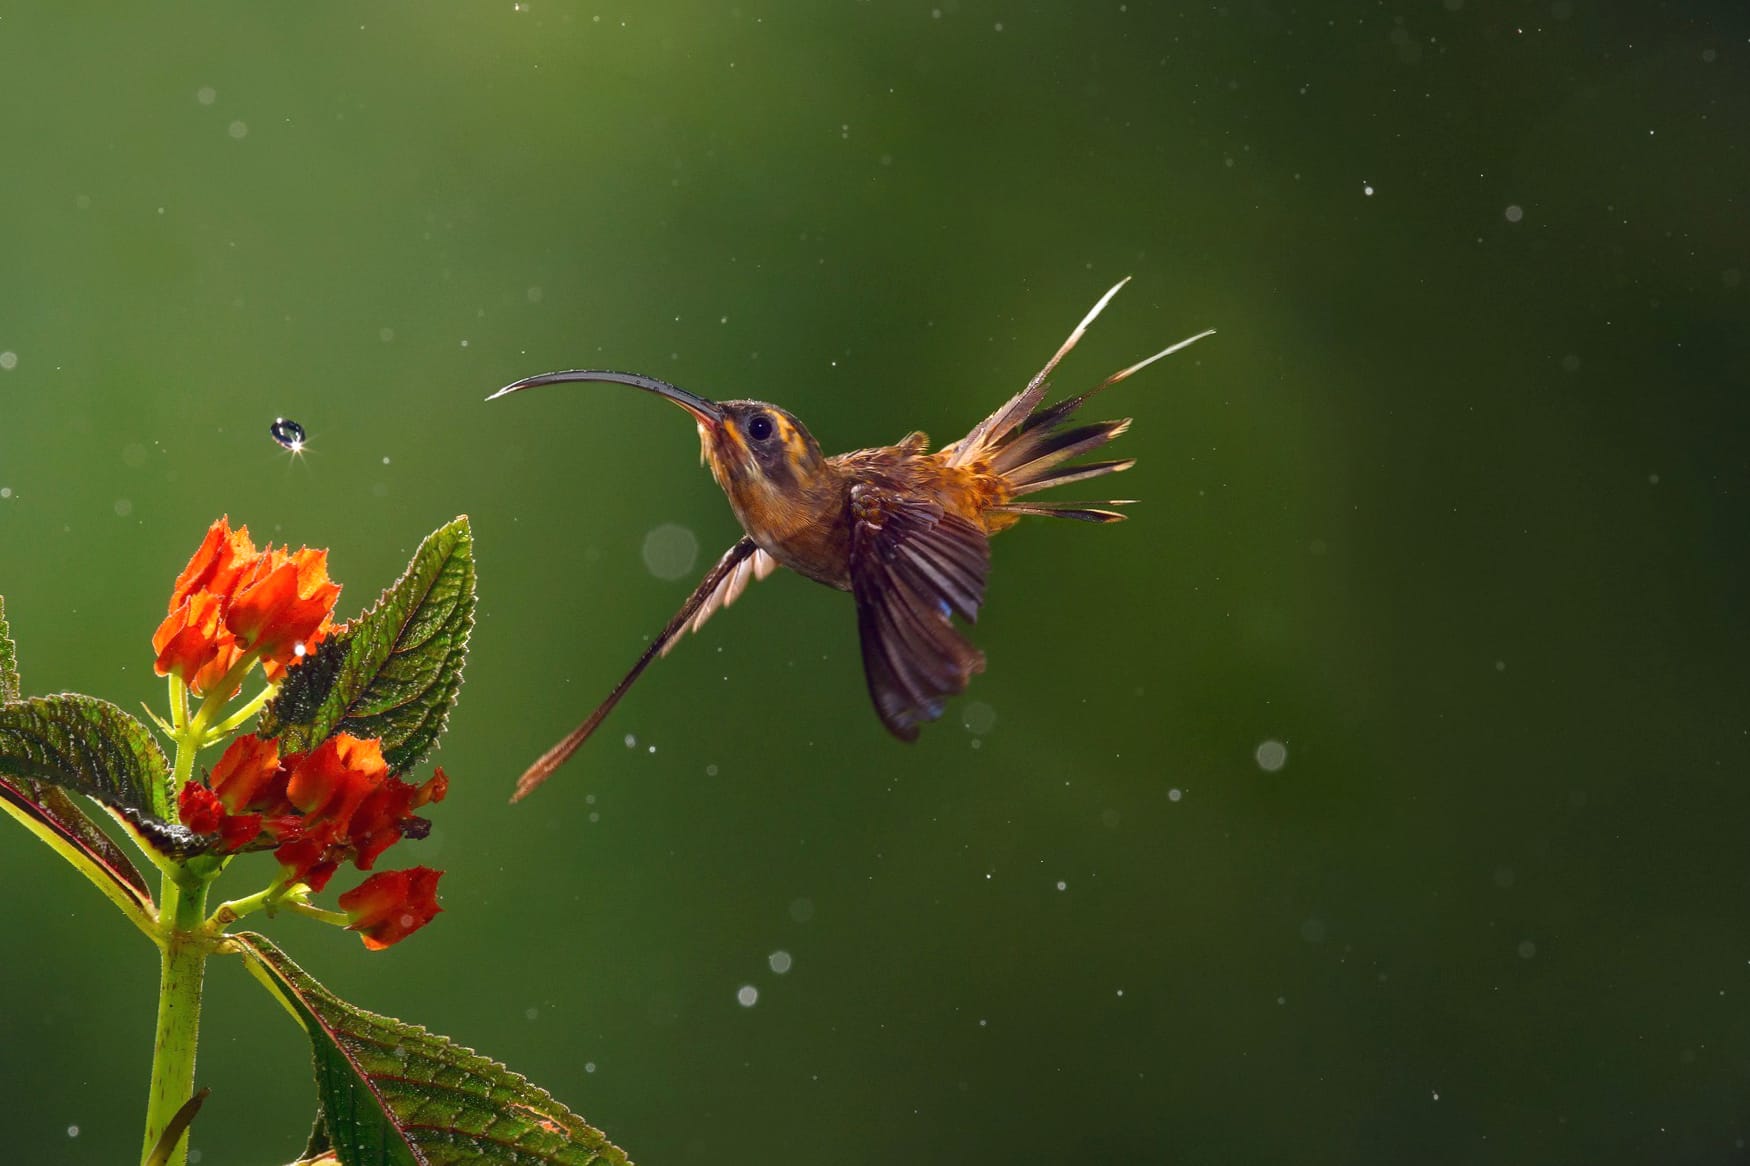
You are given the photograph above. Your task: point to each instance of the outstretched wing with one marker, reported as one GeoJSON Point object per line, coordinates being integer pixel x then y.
{"type": "Point", "coordinates": [914, 566]}
{"type": "Point", "coordinates": [708, 591]}
{"type": "Point", "coordinates": [728, 589]}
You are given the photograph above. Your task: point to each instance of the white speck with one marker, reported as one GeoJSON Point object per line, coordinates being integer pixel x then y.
{"type": "Point", "coordinates": [1175, 794]}
{"type": "Point", "coordinates": [123, 507]}
{"type": "Point", "coordinates": [1281, 1000]}
{"type": "Point", "coordinates": [385, 334]}
{"type": "Point", "coordinates": [747, 995]}
{"type": "Point", "coordinates": [1272, 755]}
{"type": "Point", "coordinates": [711, 770]}
{"type": "Point", "coordinates": [531, 1013]}
{"type": "Point", "coordinates": [801, 910]}
{"type": "Point", "coordinates": [779, 962]}
{"type": "Point", "coordinates": [983, 1023]}
{"type": "Point", "coordinates": [1435, 1094]}
{"type": "Point", "coordinates": [1500, 665]}
{"type": "Point", "coordinates": [1652, 479]}
{"type": "Point", "coordinates": [589, 1066]}
{"type": "Point", "coordinates": [1121, 991]}
{"type": "Point", "coordinates": [1062, 885]}
{"type": "Point", "coordinates": [999, 26]}
{"type": "Point", "coordinates": [5, 491]}
{"type": "Point", "coordinates": [1527, 949]}
{"type": "Point", "coordinates": [670, 550]}
{"type": "Point", "coordinates": [8, 360]}
{"type": "Point", "coordinates": [651, 749]}
{"type": "Point", "coordinates": [631, 741]}
{"type": "Point", "coordinates": [385, 461]}
{"type": "Point", "coordinates": [1515, 213]}
{"type": "Point", "coordinates": [72, 1131]}
{"type": "Point", "coordinates": [237, 130]}
{"type": "Point", "coordinates": [978, 717]}
{"type": "Point", "coordinates": [206, 95]}
{"type": "Point", "coordinates": [1367, 189]}
{"type": "Point", "coordinates": [464, 344]}
{"type": "Point", "coordinates": [300, 651]}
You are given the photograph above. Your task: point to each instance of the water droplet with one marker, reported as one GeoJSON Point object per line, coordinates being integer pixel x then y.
{"type": "Point", "coordinates": [1527, 949]}
{"type": "Point", "coordinates": [747, 995]}
{"type": "Point", "coordinates": [206, 95]}
{"type": "Point", "coordinates": [1515, 213]}
{"type": "Point", "coordinates": [1272, 755]}
{"type": "Point", "coordinates": [287, 433]}
{"type": "Point", "coordinates": [8, 361]}
{"type": "Point", "coordinates": [237, 130]}
{"type": "Point", "coordinates": [779, 962]}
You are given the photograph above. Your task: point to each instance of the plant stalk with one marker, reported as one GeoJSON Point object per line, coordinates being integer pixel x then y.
{"type": "Point", "coordinates": [181, 971]}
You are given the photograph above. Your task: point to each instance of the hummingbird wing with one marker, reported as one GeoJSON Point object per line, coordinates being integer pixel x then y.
{"type": "Point", "coordinates": [544, 765]}
{"type": "Point", "coordinates": [727, 590]}
{"type": "Point", "coordinates": [913, 567]}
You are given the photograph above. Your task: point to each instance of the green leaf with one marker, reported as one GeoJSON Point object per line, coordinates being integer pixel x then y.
{"type": "Point", "coordinates": [87, 745]}
{"type": "Point", "coordinates": [52, 804]}
{"type": "Point", "coordinates": [391, 1092]}
{"type": "Point", "coordinates": [9, 685]}
{"type": "Point", "coordinates": [395, 671]}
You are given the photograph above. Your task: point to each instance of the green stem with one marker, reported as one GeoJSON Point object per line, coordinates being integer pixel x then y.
{"type": "Point", "coordinates": [181, 970]}
{"type": "Point", "coordinates": [225, 727]}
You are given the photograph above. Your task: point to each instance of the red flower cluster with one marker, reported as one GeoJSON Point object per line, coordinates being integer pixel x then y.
{"type": "Point", "coordinates": [232, 598]}
{"type": "Point", "coordinates": [319, 809]}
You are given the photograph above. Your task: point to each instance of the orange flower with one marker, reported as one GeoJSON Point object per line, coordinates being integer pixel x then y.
{"type": "Point", "coordinates": [282, 610]}
{"type": "Point", "coordinates": [223, 555]}
{"type": "Point", "coordinates": [333, 779]}
{"type": "Point", "coordinates": [204, 813]}
{"type": "Point", "coordinates": [193, 643]}
{"type": "Point", "coordinates": [386, 816]}
{"type": "Point", "coordinates": [231, 598]}
{"type": "Point", "coordinates": [249, 776]}
{"type": "Point", "coordinates": [391, 905]}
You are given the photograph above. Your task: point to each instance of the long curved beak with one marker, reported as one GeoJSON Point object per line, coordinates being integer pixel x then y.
{"type": "Point", "coordinates": [704, 411]}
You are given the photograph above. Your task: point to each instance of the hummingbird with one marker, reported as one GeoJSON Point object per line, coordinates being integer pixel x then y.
{"type": "Point", "coordinates": [905, 530]}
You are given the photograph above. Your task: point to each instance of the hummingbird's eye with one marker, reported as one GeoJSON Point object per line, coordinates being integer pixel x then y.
{"type": "Point", "coordinates": [759, 427]}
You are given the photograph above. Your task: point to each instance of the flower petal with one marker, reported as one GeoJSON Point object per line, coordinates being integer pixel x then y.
{"type": "Point", "coordinates": [284, 613]}
{"type": "Point", "coordinates": [391, 905]}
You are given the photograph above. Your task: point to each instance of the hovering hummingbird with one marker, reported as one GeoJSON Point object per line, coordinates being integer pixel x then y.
{"type": "Point", "coordinates": [904, 530]}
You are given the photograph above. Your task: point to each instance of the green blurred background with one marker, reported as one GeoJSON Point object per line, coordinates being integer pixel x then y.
{"type": "Point", "coordinates": [1453, 509]}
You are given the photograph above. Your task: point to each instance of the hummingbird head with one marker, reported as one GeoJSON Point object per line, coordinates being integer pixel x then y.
{"type": "Point", "coordinates": [762, 456]}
